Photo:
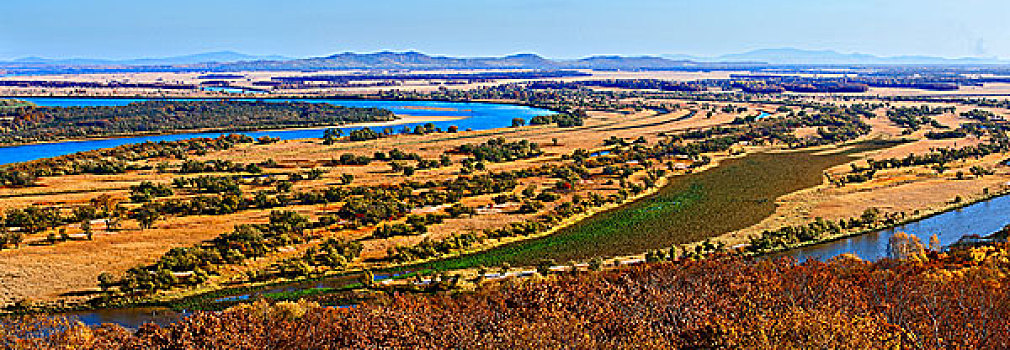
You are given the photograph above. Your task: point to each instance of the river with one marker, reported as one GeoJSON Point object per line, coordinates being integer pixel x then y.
{"type": "Point", "coordinates": [981, 218]}
{"type": "Point", "coordinates": [475, 116]}
{"type": "Point", "coordinates": [131, 318]}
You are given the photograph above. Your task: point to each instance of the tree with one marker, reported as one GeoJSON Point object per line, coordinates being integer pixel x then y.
{"type": "Point", "coordinates": [530, 191]}
{"type": "Point", "coordinates": [905, 246]}
{"type": "Point", "coordinates": [368, 278]}
{"type": "Point", "coordinates": [86, 227]}
{"type": "Point", "coordinates": [544, 266]}
{"type": "Point", "coordinates": [363, 135]}
{"type": "Point", "coordinates": [285, 221]}
{"type": "Point", "coordinates": [32, 220]}
{"type": "Point", "coordinates": [106, 281]}
{"type": "Point", "coordinates": [8, 238]}
{"type": "Point", "coordinates": [330, 136]}
{"type": "Point", "coordinates": [870, 216]}
{"type": "Point", "coordinates": [115, 218]}
{"type": "Point", "coordinates": [146, 216]}
{"type": "Point", "coordinates": [934, 243]}
{"type": "Point", "coordinates": [518, 122]}
{"type": "Point", "coordinates": [284, 186]}
{"type": "Point", "coordinates": [294, 268]}
{"type": "Point", "coordinates": [85, 212]}
{"type": "Point", "coordinates": [147, 190]}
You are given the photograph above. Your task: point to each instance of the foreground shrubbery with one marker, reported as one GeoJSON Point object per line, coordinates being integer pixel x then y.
{"type": "Point", "coordinates": [928, 301]}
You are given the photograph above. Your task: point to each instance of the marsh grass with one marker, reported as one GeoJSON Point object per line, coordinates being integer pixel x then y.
{"type": "Point", "coordinates": [736, 194]}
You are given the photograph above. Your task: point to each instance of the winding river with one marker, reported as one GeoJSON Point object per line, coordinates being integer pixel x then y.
{"type": "Point", "coordinates": [465, 115]}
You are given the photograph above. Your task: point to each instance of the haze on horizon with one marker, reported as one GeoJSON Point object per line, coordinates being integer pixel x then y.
{"type": "Point", "coordinates": [115, 29]}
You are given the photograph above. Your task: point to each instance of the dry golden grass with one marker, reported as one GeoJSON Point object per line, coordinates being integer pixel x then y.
{"type": "Point", "coordinates": [46, 272]}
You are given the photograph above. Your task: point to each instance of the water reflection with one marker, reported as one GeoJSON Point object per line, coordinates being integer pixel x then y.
{"type": "Point", "coordinates": [131, 318]}
{"type": "Point", "coordinates": [473, 116]}
{"type": "Point", "coordinates": [981, 218]}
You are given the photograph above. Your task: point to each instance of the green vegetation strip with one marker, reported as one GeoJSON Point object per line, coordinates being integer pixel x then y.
{"type": "Point", "coordinates": [737, 194]}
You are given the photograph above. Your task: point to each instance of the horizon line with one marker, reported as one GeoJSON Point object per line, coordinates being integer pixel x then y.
{"type": "Point", "coordinates": [12, 59]}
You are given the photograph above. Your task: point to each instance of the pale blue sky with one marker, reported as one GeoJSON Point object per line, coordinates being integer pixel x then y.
{"type": "Point", "coordinates": [553, 28]}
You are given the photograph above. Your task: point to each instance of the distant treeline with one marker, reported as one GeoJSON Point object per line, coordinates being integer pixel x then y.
{"type": "Point", "coordinates": [434, 76]}
{"type": "Point", "coordinates": [92, 84]}
{"type": "Point", "coordinates": [221, 76]}
{"type": "Point", "coordinates": [33, 123]}
{"type": "Point", "coordinates": [638, 84]}
{"type": "Point", "coordinates": [762, 83]}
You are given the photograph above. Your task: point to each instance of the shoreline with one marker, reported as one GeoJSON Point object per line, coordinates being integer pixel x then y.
{"type": "Point", "coordinates": [349, 97]}
{"type": "Point", "coordinates": [909, 219]}
{"type": "Point", "coordinates": [399, 121]}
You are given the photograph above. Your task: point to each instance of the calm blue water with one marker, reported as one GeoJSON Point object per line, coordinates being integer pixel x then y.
{"type": "Point", "coordinates": [131, 318]}
{"type": "Point", "coordinates": [981, 218]}
{"type": "Point", "coordinates": [476, 116]}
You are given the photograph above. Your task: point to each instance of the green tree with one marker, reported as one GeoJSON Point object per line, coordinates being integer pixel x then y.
{"type": "Point", "coordinates": [146, 216]}
{"type": "Point", "coordinates": [106, 281]}
{"type": "Point", "coordinates": [86, 227]}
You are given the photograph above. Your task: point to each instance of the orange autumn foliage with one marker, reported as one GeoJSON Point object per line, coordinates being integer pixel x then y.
{"type": "Point", "coordinates": [951, 300]}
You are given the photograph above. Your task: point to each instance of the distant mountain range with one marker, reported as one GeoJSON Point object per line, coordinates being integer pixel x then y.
{"type": "Point", "coordinates": [225, 61]}
{"type": "Point", "coordinates": [793, 56]}
{"type": "Point", "coordinates": [231, 61]}
{"type": "Point", "coordinates": [417, 60]}
{"type": "Point", "coordinates": [200, 58]}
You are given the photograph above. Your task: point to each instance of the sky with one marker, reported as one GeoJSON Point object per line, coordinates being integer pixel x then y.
{"type": "Point", "coordinates": [553, 28]}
